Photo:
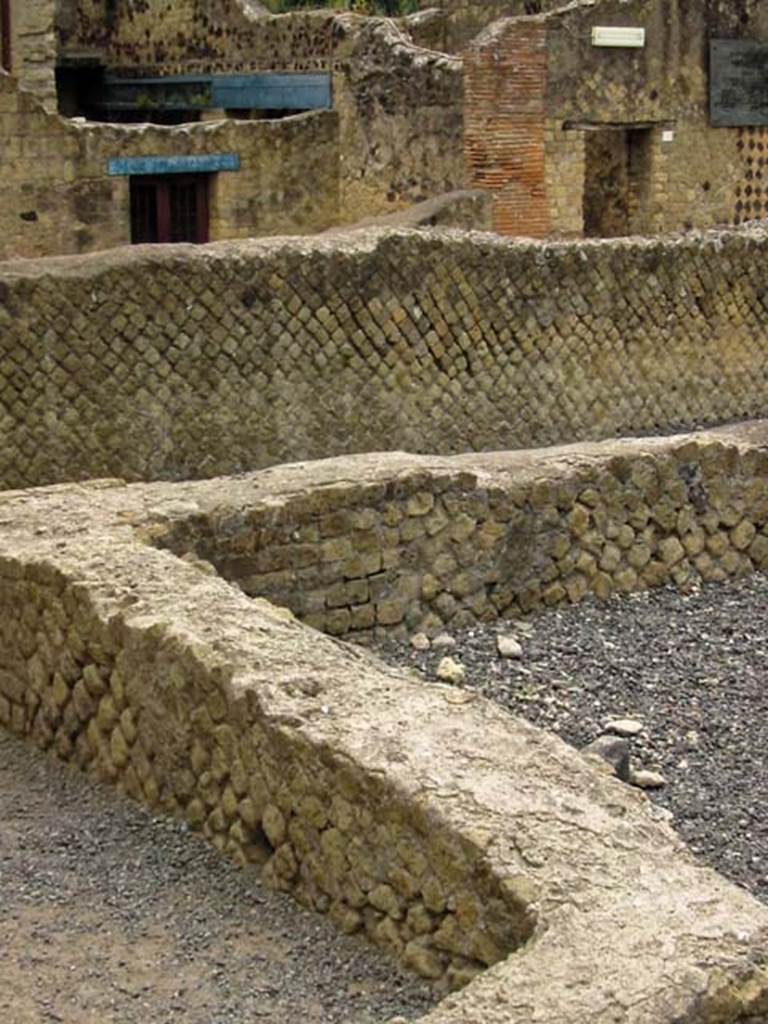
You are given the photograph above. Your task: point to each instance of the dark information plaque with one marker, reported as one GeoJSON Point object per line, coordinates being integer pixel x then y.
{"type": "Point", "coordinates": [738, 83]}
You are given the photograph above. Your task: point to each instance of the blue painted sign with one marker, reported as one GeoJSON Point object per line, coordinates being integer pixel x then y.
{"type": "Point", "coordinates": [199, 164]}
{"type": "Point", "coordinates": [272, 92]}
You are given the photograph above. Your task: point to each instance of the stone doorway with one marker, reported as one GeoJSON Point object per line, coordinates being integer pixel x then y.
{"type": "Point", "coordinates": [617, 179]}
{"type": "Point", "coordinates": [169, 208]}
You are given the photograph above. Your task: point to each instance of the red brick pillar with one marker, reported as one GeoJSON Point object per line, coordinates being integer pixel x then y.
{"type": "Point", "coordinates": [505, 77]}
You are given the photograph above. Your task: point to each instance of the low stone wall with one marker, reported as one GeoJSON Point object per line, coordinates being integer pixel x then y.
{"type": "Point", "coordinates": [139, 697]}
{"type": "Point", "coordinates": [179, 362]}
{"type": "Point", "coordinates": [445, 549]}
{"type": "Point", "coordinates": [424, 817]}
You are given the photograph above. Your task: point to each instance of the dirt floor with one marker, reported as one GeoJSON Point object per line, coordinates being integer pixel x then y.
{"type": "Point", "coordinates": [110, 916]}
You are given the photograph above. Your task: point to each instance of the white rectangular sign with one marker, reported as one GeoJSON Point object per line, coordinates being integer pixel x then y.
{"type": "Point", "coordinates": [618, 36]}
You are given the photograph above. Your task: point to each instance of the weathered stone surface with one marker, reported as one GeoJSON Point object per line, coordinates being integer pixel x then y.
{"type": "Point", "coordinates": [407, 813]}
{"type": "Point", "coordinates": [196, 390]}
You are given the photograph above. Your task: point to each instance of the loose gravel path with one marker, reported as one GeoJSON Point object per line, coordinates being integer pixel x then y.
{"type": "Point", "coordinates": [692, 668]}
{"type": "Point", "coordinates": [111, 916]}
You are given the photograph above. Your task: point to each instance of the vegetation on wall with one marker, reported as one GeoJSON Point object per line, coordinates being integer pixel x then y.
{"type": "Point", "coordinates": [388, 8]}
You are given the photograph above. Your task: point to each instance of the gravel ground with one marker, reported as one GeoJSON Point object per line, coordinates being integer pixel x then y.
{"type": "Point", "coordinates": [692, 668]}
{"type": "Point", "coordinates": [111, 916]}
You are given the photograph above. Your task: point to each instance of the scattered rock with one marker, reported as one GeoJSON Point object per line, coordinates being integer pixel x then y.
{"type": "Point", "coordinates": [681, 665]}
{"type": "Point", "coordinates": [645, 779]}
{"type": "Point", "coordinates": [614, 751]}
{"type": "Point", "coordinates": [508, 647]}
{"type": "Point", "coordinates": [624, 726]}
{"type": "Point", "coordinates": [444, 640]}
{"type": "Point", "coordinates": [420, 642]}
{"type": "Point", "coordinates": [522, 627]}
{"type": "Point", "coordinates": [450, 671]}
{"type": "Point", "coordinates": [692, 740]}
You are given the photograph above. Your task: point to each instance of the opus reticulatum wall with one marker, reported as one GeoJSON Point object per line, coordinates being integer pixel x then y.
{"type": "Point", "coordinates": [445, 549]}
{"type": "Point", "coordinates": [447, 831]}
{"type": "Point", "coordinates": [187, 362]}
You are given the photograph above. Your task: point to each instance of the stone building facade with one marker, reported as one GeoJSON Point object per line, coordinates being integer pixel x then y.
{"type": "Point", "coordinates": [112, 129]}
{"type": "Point", "coordinates": [578, 136]}
{"type": "Point", "coordinates": [146, 120]}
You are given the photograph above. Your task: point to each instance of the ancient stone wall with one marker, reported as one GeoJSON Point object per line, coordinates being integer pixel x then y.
{"type": "Point", "coordinates": [59, 194]}
{"type": "Point", "coordinates": [664, 85]}
{"type": "Point", "coordinates": [691, 175]}
{"type": "Point", "coordinates": [400, 106]}
{"type": "Point", "coordinates": [33, 48]}
{"type": "Point", "coordinates": [453, 24]}
{"type": "Point", "coordinates": [447, 551]}
{"type": "Point", "coordinates": [134, 700]}
{"type": "Point", "coordinates": [422, 816]}
{"type": "Point", "coordinates": [178, 362]}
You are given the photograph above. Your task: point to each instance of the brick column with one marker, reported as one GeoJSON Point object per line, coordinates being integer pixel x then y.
{"type": "Point", "coordinates": [505, 74]}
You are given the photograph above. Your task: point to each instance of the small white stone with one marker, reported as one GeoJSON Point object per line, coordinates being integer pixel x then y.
{"type": "Point", "coordinates": [508, 647]}
{"type": "Point", "coordinates": [450, 671]}
{"type": "Point", "coordinates": [647, 780]}
{"type": "Point", "coordinates": [624, 726]}
{"type": "Point", "coordinates": [420, 642]}
{"type": "Point", "coordinates": [444, 640]}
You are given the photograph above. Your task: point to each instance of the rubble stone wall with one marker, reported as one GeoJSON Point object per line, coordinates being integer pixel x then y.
{"type": "Point", "coordinates": [422, 816]}
{"type": "Point", "coordinates": [448, 550]}
{"type": "Point", "coordinates": [33, 48]}
{"type": "Point", "coordinates": [134, 701]}
{"type": "Point", "coordinates": [456, 23]}
{"type": "Point", "coordinates": [185, 363]}
{"type": "Point", "coordinates": [696, 178]}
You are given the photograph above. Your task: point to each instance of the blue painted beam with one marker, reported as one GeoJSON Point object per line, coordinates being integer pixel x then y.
{"type": "Point", "coordinates": [198, 164]}
{"type": "Point", "coordinates": [266, 91]}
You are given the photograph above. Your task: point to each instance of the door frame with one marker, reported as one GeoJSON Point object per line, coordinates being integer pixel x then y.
{"type": "Point", "coordinates": [162, 186]}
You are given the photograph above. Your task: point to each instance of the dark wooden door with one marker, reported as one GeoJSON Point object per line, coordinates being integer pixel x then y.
{"type": "Point", "coordinates": [173, 208]}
